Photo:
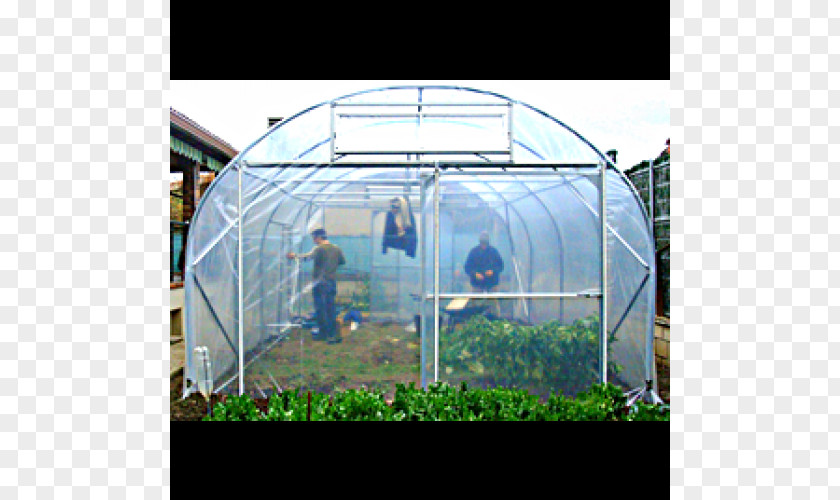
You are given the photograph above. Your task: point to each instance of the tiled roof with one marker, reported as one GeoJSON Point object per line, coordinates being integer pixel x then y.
{"type": "Point", "coordinates": [200, 133]}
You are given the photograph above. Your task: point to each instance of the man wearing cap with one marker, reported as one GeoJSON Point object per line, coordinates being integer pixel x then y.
{"type": "Point", "coordinates": [327, 257]}
{"type": "Point", "coordinates": [483, 266]}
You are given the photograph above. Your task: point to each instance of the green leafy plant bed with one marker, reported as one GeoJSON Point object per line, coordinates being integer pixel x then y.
{"type": "Point", "coordinates": [540, 358]}
{"type": "Point", "coordinates": [440, 402]}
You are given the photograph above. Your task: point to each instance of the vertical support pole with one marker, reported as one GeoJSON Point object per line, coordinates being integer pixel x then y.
{"type": "Point", "coordinates": [421, 245]}
{"type": "Point", "coordinates": [299, 301]}
{"type": "Point", "coordinates": [513, 259]}
{"type": "Point", "coordinates": [418, 131]}
{"type": "Point", "coordinates": [649, 361]}
{"type": "Point", "coordinates": [332, 132]}
{"type": "Point", "coordinates": [437, 266]}
{"type": "Point", "coordinates": [373, 213]}
{"type": "Point", "coordinates": [604, 276]}
{"type": "Point", "coordinates": [399, 288]}
{"type": "Point", "coordinates": [240, 295]}
{"type": "Point", "coordinates": [650, 194]}
{"type": "Point", "coordinates": [510, 130]}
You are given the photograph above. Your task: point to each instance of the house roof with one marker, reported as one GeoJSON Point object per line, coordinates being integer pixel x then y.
{"type": "Point", "coordinates": [201, 134]}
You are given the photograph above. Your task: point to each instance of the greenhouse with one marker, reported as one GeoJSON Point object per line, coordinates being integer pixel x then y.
{"type": "Point", "coordinates": [481, 241]}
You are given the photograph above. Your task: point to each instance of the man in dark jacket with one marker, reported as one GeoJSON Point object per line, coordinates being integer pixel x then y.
{"type": "Point", "coordinates": [484, 265]}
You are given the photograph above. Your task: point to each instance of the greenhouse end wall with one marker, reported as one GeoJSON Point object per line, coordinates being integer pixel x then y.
{"type": "Point", "coordinates": [539, 328]}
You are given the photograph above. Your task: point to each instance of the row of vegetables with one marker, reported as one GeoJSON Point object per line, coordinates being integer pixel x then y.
{"type": "Point", "coordinates": [439, 402]}
{"type": "Point", "coordinates": [494, 370]}
{"type": "Point", "coordinates": [491, 353]}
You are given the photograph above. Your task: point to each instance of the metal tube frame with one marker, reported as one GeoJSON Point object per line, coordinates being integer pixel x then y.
{"type": "Point", "coordinates": [602, 212]}
{"type": "Point", "coordinates": [437, 295]}
{"type": "Point", "coordinates": [436, 237]}
{"type": "Point", "coordinates": [420, 114]}
{"type": "Point", "coordinates": [548, 166]}
{"type": "Point", "coordinates": [297, 287]}
{"type": "Point", "coordinates": [419, 103]}
{"type": "Point", "coordinates": [630, 305]}
{"type": "Point", "coordinates": [420, 152]}
{"type": "Point", "coordinates": [509, 206]}
{"type": "Point", "coordinates": [213, 313]}
{"type": "Point", "coordinates": [611, 230]}
{"type": "Point", "coordinates": [332, 131]}
{"type": "Point", "coordinates": [508, 102]}
{"type": "Point", "coordinates": [240, 298]}
{"type": "Point", "coordinates": [649, 368]}
{"type": "Point", "coordinates": [436, 177]}
{"type": "Point", "coordinates": [422, 241]}
{"type": "Point", "coordinates": [513, 259]}
{"type": "Point", "coordinates": [516, 296]}
{"type": "Point", "coordinates": [195, 277]}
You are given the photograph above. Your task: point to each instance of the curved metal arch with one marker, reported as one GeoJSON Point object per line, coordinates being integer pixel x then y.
{"type": "Point", "coordinates": [606, 159]}
{"type": "Point", "coordinates": [276, 126]}
{"type": "Point", "coordinates": [234, 161]}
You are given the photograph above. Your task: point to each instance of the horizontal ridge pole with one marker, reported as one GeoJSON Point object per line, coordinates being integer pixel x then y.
{"type": "Point", "coordinates": [418, 104]}
{"type": "Point", "coordinates": [420, 113]}
{"type": "Point", "coordinates": [420, 163]}
{"type": "Point", "coordinates": [424, 152]}
{"type": "Point", "coordinates": [430, 296]}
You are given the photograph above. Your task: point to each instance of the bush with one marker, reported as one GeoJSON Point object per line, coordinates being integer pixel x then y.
{"type": "Point", "coordinates": [550, 355]}
{"type": "Point", "coordinates": [441, 402]}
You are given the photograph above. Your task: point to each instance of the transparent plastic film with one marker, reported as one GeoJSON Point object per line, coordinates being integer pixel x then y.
{"type": "Point", "coordinates": [496, 239]}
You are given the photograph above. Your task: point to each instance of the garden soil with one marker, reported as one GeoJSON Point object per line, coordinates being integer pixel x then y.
{"type": "Point", "coordinates": [191, 408]}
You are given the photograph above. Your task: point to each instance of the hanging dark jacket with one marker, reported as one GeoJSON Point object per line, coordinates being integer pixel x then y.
{"type": "Point", "coordinates": [481, 260]}
{"type": "Point", "coordinates": [391, 238]}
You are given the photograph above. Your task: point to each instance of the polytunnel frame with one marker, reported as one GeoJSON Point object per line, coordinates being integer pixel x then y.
{"type": "Point", "coordinates": [423, 187]}
{"type": "Point", "coordinates": [602, 167]}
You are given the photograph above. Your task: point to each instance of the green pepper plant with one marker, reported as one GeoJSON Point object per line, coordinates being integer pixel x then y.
{"type": "Point", "coordinates": [548, 356]}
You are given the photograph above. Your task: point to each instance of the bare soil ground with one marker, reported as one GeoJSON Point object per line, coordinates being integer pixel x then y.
{"type": "Point", "coordinates": [375, 357]}
{"type": "Point", "coordinates": [191, 408]}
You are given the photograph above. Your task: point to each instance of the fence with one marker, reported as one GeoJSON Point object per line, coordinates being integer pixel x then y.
{"type": "Point", "coordinates": [640, 177]}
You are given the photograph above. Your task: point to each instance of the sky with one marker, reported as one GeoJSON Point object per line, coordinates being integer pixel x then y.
{"type": "Point", "coordinates": [630, 116]}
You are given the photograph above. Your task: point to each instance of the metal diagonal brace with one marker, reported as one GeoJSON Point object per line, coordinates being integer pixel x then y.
{"type": "Point", "coordinates": [646, 394]}
{"type": "Point", "coordinates": [609, 227]}
{"type": "Point", "coordinates": [632, 302]}
{"type": "Point", "coordinates": [213, 313]}
{"type": "Point", "coordinates": [579, 196]}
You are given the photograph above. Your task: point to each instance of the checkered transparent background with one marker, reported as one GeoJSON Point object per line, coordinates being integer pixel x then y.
{"type": "Point", "coordinates": [83, 250]}
{"type": "Point", "coordinates": [754, 131]}
{"type": "Point", "coordinates": [84, 255]}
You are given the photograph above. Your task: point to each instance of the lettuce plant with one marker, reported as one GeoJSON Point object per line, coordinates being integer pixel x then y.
{"type": "Point", "coordinates": [442, 402]}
